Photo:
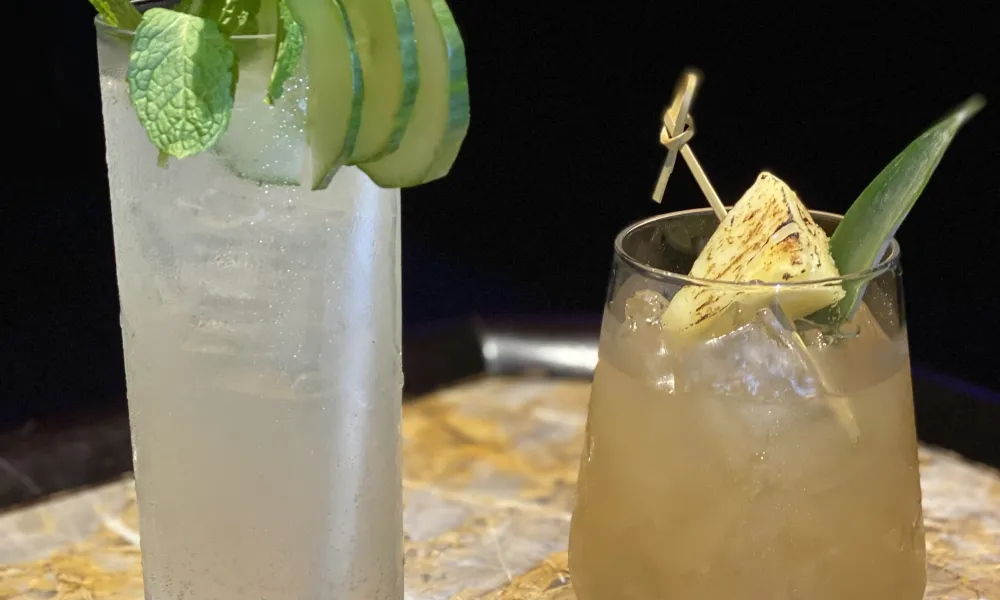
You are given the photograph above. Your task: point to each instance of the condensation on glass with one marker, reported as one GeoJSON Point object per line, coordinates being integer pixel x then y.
{"type": "Point", "coordinates": [261, 329]}
{"type": "Point", "coordinates": [777, 460]}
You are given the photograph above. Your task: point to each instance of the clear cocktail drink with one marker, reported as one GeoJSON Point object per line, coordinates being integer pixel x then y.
{"type": "Point", "coordinates": [261, 328]}
{"type": "Point", "coordinates": [255, 149]}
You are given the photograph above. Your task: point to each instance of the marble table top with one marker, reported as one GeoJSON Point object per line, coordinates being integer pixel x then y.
{"type": "Point", "coordinates": [489, 474]}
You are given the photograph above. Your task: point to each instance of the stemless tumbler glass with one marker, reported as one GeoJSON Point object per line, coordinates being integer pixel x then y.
{"type": "Point", "coordinates": [777, 459]}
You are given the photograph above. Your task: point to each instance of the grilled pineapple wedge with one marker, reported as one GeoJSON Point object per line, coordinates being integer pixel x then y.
{"type": "Point", "coordinates": [768, 236]}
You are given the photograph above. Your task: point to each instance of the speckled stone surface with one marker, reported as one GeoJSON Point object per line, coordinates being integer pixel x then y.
{"type": "Point", "coordinates": [489, 472]}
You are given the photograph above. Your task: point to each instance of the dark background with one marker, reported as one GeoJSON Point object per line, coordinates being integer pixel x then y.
{"type": "Point", "coordinates": [561, 154]}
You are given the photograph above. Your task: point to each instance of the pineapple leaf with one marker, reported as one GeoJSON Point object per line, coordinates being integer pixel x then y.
{"type": "Point", "coordinates": [861, 238]}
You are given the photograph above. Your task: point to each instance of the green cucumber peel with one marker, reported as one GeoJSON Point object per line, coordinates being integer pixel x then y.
{"type": "Point", "coordinates": [287, 52]}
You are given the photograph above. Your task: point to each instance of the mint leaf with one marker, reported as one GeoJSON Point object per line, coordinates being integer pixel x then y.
{"type": "Point", "coordinates": [235, 17]}
{"type": "Point", "coordinates": [239, 16]}
{"type": "Point", "coordinates": [181, 77]}
{"type": "Point", "coordinates": [118, 13]}
{"type": "Point", "coordinates": [206, 9]}
{"type": "Point", "coordinates": [287, 52]}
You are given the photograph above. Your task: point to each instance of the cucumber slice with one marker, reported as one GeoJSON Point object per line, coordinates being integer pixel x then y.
{"type": "Point", "coordinates": [336, 90]}
{"type": "Point", "coordinates": [383, 32]}
{"type": "Point", "coordinates": [441, 114]}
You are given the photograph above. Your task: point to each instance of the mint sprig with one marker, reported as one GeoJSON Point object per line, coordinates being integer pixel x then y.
{"type": "Point", "coordinates": [239, 17]}
{"type": "Point", "coordinates": [182, 77]}
{"type": "Point", "coordinates": [287, 52]}
{"type": "Point", "coordinates": [118, 13]}
{"type": "Point", "coordinates": [235, 17]}
{"type": "Point", "coordinates": [183, 68]}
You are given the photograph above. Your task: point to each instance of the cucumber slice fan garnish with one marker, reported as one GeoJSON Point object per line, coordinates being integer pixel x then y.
{"type": "Point", "coordinates": [383, 31]}
{"type": "Point", "coordinates": [441, 113]}
{"type": "Point", "coordinates": [336, 90]}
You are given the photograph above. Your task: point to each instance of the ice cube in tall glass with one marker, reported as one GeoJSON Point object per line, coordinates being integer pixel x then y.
{"type": "Point", "coordinates": [776, 460]}
{"type": "Point", "coordinates": [261, 329]}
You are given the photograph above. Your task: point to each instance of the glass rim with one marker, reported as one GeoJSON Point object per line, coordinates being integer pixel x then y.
{"type": "Point", "coordinates": [887, 263]}
{"type": "Point", "coordinates": [101, 24]}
